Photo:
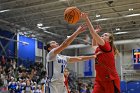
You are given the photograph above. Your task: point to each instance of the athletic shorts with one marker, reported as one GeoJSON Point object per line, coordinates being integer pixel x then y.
{"type": "Point", "coordinates": [57, 87]}
{"type": "Point", "coordinates": [105, 87]}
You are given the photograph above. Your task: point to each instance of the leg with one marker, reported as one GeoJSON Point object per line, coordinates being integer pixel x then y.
{"type": "Point", "coordinates": [110, 87]}
{"type": "Point", "coordinates": [98, 88]}
{"type": "Point", "coordinates": [57, 88]}
{"type": "Point", "coordinates": [53, 89]}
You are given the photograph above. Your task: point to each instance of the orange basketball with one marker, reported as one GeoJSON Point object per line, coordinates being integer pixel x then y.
{"type": "Point", "coordinates": [72, 15]}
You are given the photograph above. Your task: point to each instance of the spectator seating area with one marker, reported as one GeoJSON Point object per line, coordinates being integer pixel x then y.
{"type": "Point", "coordinates": [15, 78]}
{"type": "Point", "coordinates": [130, 87]}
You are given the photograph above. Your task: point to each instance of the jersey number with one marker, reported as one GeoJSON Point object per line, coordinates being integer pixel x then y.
{"type": "Point", "coordinates": [62, 68]}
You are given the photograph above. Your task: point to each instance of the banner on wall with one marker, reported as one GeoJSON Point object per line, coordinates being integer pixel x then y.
{"type": "Point", "coordinates": [7, 46]}
{"type": "Point", "coordinates": [88, 68]}
{"type": "Point", "coordinates": [26, 52]}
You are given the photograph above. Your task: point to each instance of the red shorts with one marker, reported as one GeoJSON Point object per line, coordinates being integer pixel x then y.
{"type": "Point", "coordinates": [106, 86]}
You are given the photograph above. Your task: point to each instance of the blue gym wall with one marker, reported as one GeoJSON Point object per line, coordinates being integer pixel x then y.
{"type": "Point", "coordinates": [88, 68]}
{"type": "Point", "coordinates": [39, 45]}
{"type": "Point", "coordinates": [9, 46]}
{"type": "Point", "coordinates": [26, 53]}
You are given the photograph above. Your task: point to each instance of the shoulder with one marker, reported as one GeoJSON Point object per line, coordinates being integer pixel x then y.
{"type": "Point", "coordinates": [51, 52]}
{"type": "Point", "coordinates": [105, 47]}
{"type": "Point", "coordinates": [51, 55]}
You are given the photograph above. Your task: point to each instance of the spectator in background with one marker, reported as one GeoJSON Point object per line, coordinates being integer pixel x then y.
{"type": "Point", "coordinates": [66, 75]}
{"type": "Point", "coordinates": [28, 87]}
{"type": "Point", "coordinates": [14, 64]}
{"type": "Point", "coordinates": [3, 61]}
{"type": "Point", "coordinates": [84, 88]}
{"type": "Point", "coordinates": [72, 78]}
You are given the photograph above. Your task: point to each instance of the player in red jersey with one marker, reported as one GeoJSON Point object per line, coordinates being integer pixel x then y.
{"type": "Point", "coordinates": [66, 74]}
{"type": "Point", "coordinates": [107, 79]}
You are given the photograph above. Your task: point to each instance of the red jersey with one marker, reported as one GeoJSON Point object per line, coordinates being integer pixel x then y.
{"type": "Point", "coordinates": [3, 60]}
{"type": "Point", "coordinates": [66, 83]}
{"type": "Point", "coordinates": [105, 63]}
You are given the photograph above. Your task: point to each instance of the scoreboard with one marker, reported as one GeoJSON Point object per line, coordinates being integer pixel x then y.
{"type": "Point", "coordinates": [136, 58]}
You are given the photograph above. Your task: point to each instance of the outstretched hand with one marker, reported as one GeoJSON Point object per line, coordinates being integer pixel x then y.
{"type": "Point", "coordinates": [84, 15]}
{"type": "Point", "coordinates": [82, 28]}
{"type": "Point", "coordinates": [98, 29]}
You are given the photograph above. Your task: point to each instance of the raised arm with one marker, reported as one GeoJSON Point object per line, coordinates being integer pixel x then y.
{"type": "Point", "coordinates": [97, 30]}
{"type": "Point", "coordinates": [70, 39]}
{"type": "Point", "coordinates": [81, 58]}
{"type": "Point", "coordinates": [93, 33]}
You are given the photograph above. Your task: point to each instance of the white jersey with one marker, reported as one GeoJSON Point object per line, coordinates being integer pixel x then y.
{"type": "Point", "coordinates": [59, 64]}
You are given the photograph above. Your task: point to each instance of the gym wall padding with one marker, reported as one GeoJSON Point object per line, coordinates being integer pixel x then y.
{"type": "Point", "coordinates": [39, 45]}
{"type": "Point", "coordinates": [8, 45]}
{"type": "Point", "coordinates": [88, 65]}
{"type": "Point", "coordinates": [137, 66]}
{"type": "Point", "coordinates": [26, 52]}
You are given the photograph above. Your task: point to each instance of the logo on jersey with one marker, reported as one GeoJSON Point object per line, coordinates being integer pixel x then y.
{"type": "Point", "coordinates": [63, 65]}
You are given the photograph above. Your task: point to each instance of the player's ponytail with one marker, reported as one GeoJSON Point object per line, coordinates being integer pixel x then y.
{"type": "Point", "coordinates": [47, 46]}
{"type": "Point", "coordinates": [111, 38]}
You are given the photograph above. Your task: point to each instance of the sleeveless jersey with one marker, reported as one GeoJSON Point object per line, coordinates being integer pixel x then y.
{"type": "Point", "coordinates": [56, 65]}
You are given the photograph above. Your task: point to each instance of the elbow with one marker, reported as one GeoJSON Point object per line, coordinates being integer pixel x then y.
{"type": "Point", "coordinates": [101, 43]}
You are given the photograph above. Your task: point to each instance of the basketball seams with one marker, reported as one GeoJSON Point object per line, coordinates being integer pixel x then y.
{"type": "Point", "coordinates": [68, 16]}
{"type": "Point", "coordinates": [72, 15]}
{"type": "Point", "coordinates": [78, 13]}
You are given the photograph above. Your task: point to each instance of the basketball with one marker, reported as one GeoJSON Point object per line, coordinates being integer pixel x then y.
{"type": "Point", "coordinates": [72, 15]}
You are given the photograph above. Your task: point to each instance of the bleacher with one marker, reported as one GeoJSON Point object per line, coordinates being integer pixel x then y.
{"type": "Point", "coordinates": [130, 86]}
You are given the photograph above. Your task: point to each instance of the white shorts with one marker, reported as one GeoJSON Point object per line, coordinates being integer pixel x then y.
{"type": "Point", "coordinates": [57, 87]}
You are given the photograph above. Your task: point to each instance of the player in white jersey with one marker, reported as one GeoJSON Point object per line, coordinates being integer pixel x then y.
{"type": "Point", "coordinates": [57, 63]}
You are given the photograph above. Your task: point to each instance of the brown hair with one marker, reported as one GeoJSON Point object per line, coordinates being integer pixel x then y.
{"type": "Point", "coordinates": [111, 38]}
{"type": "Point", "coordinates": [48, 45]}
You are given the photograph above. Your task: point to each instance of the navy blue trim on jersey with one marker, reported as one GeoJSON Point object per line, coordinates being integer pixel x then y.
{"type": "Point", "coordinates": [50, 73]}
{"type": "Point", "coordinates": [50, 69]}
